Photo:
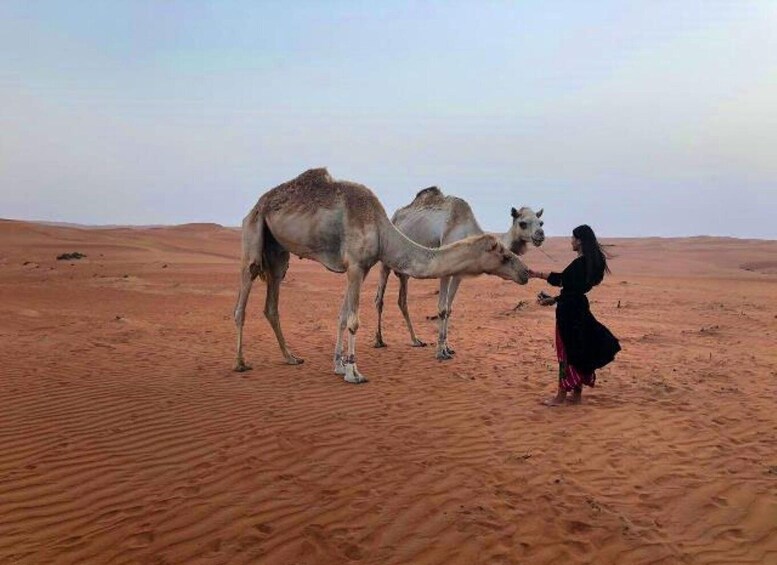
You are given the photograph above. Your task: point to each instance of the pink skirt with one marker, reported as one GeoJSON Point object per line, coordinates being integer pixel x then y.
{"type": "Point", "coordinates": [569, 377]}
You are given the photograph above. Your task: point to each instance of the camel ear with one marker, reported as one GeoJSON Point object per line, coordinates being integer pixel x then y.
{"type": "Point", "coordinates": [514, 213]}
{"type": "Point", "coordinates": [539, 214]}
{"type": "Point", "coordinates": [493, 246]}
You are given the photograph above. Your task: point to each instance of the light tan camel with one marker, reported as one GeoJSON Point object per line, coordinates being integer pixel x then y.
{"type": "Point", "coordinates": [433, 219]}
{"type": "Point", "coordinates": [343, 226]}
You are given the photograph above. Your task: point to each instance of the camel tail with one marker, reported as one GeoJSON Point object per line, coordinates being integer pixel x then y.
{"type": "Point", "coordinates": [254, 252]}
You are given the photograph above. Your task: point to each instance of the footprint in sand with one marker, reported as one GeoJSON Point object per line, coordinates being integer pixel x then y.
{"type": "Point", "coordinates": [720, 502]}
{"type": "Point", "coordinates": [352, 551]}
{"type": "Point", "coordinates": [188, 490]}
{"type": "Point", "coordinates": [71, 541]}
{"type": "Point", "coordinates": [141, 539]}
{"type": "Point", "coordinates": [214, 546]}
{"type": "Point", "coordinates": [578, 527]}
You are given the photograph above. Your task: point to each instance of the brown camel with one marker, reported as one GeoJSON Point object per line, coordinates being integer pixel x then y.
{"type": "Point", "coordinates": [343, 226]}
{"type": "Point", "coordinates": [433, 219]}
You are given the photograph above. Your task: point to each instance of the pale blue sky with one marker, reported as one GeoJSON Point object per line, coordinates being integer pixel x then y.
{"type": "Point", "coordinates": [639, 118]}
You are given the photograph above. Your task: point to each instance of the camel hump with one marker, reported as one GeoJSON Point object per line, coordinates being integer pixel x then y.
{"type": "Point", "coordinates": [428, 193]}
{"type": "Point", "coordinates": [312, 175]}
{"type": "Point", "coordinates": [312, 189]}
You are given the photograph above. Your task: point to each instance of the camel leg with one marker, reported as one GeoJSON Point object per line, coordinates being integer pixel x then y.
{"type": "Point", "coordinates": [414, 341]}
{"type": "Point", "coordinates": [342, 322]}
{"type": "Point", "coordinates": [247, 277]}
{"type": "Point", "coordinates": [453, 287]}
{"type": "Point", "coordinates": [355, 278]}
{"type": "Point", "coordinates": [275, 273]}
{"type": "Point", "coordinates": [382, 282]}
{"type": "Point", "coordinates": [442, 320]}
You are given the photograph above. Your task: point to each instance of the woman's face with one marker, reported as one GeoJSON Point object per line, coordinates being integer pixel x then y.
{"type": "Point", "coordinates": [576, 244]}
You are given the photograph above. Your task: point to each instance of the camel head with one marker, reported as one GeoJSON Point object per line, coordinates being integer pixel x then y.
{"type": "Point", "coordinates": [527, 226]}
{"type": "Point", "coordinates": [500, 261]}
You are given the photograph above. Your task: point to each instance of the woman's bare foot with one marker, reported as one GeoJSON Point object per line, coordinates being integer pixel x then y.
{"type": "Point", "coordinates": [575, 398]}
{"type": "Point", "coordinates": [557, 400]}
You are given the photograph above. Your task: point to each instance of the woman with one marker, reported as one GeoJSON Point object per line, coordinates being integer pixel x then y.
{"type": "Point", "coordinates": [582, 343]}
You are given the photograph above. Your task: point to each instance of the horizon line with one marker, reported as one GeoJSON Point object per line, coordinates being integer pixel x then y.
{"type": "Point", "coordinates": [77, 225]}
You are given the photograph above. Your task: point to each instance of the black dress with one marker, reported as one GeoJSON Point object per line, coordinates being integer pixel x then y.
{"type": "Point", "coordinates": [588, 344]}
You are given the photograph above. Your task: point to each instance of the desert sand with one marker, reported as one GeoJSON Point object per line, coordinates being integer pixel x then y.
{"type": "Point", "coordinates": [127, 438]}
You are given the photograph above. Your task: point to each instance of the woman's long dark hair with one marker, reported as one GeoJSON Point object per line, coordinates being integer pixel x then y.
{"type": "Point", "coordinates": [595, 258]}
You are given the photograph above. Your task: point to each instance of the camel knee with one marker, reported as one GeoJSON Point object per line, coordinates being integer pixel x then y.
{"type": "Point", "coordinates": [239, 315]}
{"type": "Point", "coordinates": [443, 313]}
{"type": "Point", "coordinates": [353, 323]}
{"type": "Point", "coordinates": [253, 269]}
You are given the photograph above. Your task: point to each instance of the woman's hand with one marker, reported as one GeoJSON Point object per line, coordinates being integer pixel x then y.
{"type": "Point", "coordinates": [537, 275]}
{"type": "Point", "coordinates": [545, 299]}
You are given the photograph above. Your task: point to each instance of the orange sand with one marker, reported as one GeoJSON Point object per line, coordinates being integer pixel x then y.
{"type": "Point", "coordinates": [126, 437]}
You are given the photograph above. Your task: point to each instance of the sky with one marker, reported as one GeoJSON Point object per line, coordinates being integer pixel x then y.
{"type": "Point", "coordinates": [653, 118]}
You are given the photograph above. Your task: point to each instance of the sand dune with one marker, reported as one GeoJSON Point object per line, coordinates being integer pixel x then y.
{"type": "Point", "coordinates": [126, 437]}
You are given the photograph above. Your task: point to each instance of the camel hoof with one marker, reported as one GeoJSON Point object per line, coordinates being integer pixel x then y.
{"type": "Point", "coordinates": [241, 367]}
{"type": "Point", "coordinates": [355, 379]}
{"type": "Point", "coordinates": [443, 356]}
{"type": "Point", "coordinates": [294, 360]}
{"type": "Point", "coordinates": [418, 343]}
{"type": "Point", "coordinates": [379, 343]}
{"type": "Point", "coordinates": [339, 370]}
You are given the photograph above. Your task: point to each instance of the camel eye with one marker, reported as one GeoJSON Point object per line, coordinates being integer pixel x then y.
{"type": "Point", "coordinates": [505, 259]}
{"type": "Point", "coordinates": [523, 225]}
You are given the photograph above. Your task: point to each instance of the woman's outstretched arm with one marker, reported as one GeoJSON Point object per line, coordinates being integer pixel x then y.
{"type": "Point", "coordinates": [552, 278]}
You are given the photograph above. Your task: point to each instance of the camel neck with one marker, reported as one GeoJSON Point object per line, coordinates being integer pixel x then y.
{"type": "Point", "coordinates": [505, 238]}
{"type": "Point", "coordinates": [405, 256]}
{"type": "Point", "coordinates": [517, 246]}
